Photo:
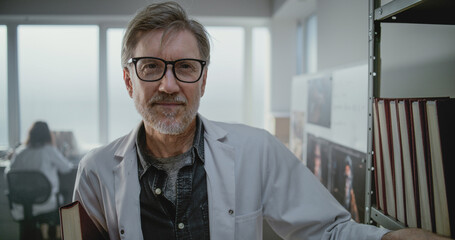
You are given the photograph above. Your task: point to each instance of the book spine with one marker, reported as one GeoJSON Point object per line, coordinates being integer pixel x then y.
{"type": "Point", "coordinates": [413, 160]}
{"type": "Point", "coordinates": [424, 125]}
{"type": "Point", "coordinates": [378, 160]}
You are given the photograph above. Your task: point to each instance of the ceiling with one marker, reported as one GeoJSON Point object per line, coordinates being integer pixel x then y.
{"type": "Point", "coordinates": [124, 9]}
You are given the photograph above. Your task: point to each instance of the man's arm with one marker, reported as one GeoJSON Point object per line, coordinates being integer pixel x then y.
{"type": "Point", "coordinates": [412, 234]}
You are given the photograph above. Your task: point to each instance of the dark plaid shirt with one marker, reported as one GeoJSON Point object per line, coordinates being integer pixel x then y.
{"type": "Point", "coordinates": [187, 217]}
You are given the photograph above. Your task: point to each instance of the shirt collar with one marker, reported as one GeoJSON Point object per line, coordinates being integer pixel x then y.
{"type": "Point", "coordinates": [141, 151]}
{"type": "Point", "coordinates": [198, 142]}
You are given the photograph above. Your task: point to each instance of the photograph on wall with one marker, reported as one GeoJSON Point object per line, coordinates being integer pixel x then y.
{"type": "Point", "coordinates": [320, 101]}
{"type": "Point", "coordinates": [318, 150]}
{"type": "Point", "coordinates": [349, 179]}
{"type": "Point", "coordinates": [296, 134]}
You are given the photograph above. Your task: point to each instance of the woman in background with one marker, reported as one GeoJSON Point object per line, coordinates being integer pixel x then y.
{"type": "Point", "coordinates": [39, 154]}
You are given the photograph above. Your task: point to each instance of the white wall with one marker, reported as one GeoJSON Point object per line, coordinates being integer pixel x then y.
{"type": "Point", "coordinates": [283, 28]}
{"type": "Point", "coordinates": [342, 32]}
{"type": "Point", "coordinates": [283, 67]}
{"type": "Point", "coordinates": [417, 60]}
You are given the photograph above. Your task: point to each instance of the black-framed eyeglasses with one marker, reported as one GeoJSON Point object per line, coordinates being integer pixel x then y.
{"type": "Point", "coordinates": [152, 69]}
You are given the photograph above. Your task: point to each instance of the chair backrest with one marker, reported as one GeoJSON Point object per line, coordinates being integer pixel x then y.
{"type": "Point", "coordinates": [28, 187]}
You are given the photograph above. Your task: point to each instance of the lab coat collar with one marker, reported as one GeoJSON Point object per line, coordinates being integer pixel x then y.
{"type": "Point", "coordinates": [129, 143]}
{"type": "Point", "coordinates": [212, 130]}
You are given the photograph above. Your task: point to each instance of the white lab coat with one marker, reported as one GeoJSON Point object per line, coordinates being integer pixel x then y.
{"type": "Point", "coordinates": [248, 171]}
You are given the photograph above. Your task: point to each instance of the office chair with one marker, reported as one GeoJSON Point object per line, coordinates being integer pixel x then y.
{"type": "Point", "coordinates": [27, 188]}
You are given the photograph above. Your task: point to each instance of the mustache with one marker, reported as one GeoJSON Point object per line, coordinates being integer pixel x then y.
{"type": "Point", "coordinates": [168, 98]}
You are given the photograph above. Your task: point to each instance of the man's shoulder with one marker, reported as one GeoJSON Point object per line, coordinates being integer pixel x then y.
{"type": "Point", "coordinates": [102, 155]}
{"type": "Point", "coordinates": [238, 129]}
{"type": "Point", "coordinates": [242, 135]}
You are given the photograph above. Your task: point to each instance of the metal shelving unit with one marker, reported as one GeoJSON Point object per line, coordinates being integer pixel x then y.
{"type": "Point", "coordinates": [397, 11]}
{"type": "Point", "coordinates": [416, 11]}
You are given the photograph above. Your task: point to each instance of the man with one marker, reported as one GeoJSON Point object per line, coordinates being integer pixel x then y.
{"type": "Point", "coordinates": [181, 176]}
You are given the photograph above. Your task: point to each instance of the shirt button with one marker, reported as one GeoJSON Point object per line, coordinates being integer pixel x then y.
{"type": "Point", "coordinates": [181, 226]}
{"type": "Point", "coordinates": [158, 191]}
{"type": "Point", "coordinates": [122, 231]}
{"type": "Point", "coordinates": [231, 211]}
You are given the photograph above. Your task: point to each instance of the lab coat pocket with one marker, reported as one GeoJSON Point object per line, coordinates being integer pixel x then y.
{"type": "Point", "coordinates": [249, 226]}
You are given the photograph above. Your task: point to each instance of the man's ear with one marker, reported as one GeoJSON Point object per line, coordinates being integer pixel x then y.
{"type": "Point", "coordinates": [127, 80]}
{"type": "Point", "coordinates": [204, 81]}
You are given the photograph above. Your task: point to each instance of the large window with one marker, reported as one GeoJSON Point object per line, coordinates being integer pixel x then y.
{"type": "Point", "coordinates": [223, 98]}
{"type": "Point", "coordinates": [311, 45]}
{"type": "Point", "coordinates": [3, 89]}
{"type": "Point", "coordinates": [58, 79]}
{"type": "Point", "coordinates": [122, 114]}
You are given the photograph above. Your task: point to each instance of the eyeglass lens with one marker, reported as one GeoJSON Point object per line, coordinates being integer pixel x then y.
{"type": "Point", "coordinates": [186, 70]}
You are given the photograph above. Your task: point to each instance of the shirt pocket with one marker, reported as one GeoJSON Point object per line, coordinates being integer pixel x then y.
{"type": "Point", "coordinates": [249, 226]}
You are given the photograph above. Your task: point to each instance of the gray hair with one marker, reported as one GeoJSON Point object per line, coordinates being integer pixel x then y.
{"type": "Point", "coordinates": [167, 16]}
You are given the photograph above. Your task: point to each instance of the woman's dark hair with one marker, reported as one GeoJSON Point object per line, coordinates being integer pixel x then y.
{"type": "Point", "coordinates": [39, 135]}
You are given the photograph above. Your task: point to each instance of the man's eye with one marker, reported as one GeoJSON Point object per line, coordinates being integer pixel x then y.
{"type": "Point", "coordinates": [185, 66]}
{"type": "Point", "coordinates": [151, 66]}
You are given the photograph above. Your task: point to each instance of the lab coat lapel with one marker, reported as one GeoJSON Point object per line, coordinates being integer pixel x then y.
{"type": "Point", "coordinates": [127, 190]}
{"type": "Point", "coordinates": [220, 169]}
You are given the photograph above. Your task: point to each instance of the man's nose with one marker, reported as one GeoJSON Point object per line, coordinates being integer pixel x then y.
{"type": "Point", "coordinates": [169, 83]}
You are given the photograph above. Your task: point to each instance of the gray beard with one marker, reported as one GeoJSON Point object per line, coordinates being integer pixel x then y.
{"type": "Point", "coordinates": [170, 124]}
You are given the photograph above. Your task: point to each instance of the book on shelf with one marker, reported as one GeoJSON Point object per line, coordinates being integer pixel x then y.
{"type": "Point", "coordinates": [378, 173]}
{"type": "Point", "coordinates": [441, 136]}
{"type": "Point", "coordinates": [422, 157]}
{"type": "Point", "coordinates": [409, 173]}
{"type": "Point", "coordinates": [394, 138]}
{"type": "Point", "coordinates": [386, 159]}
{"type": "Point", "coordinates": [76, 224]}
{"type": "Point", "coordinates": [413, 143]}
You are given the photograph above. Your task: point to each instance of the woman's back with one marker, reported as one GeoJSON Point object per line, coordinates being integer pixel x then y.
{"type": "Point", "coordinates": [48, 160]}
